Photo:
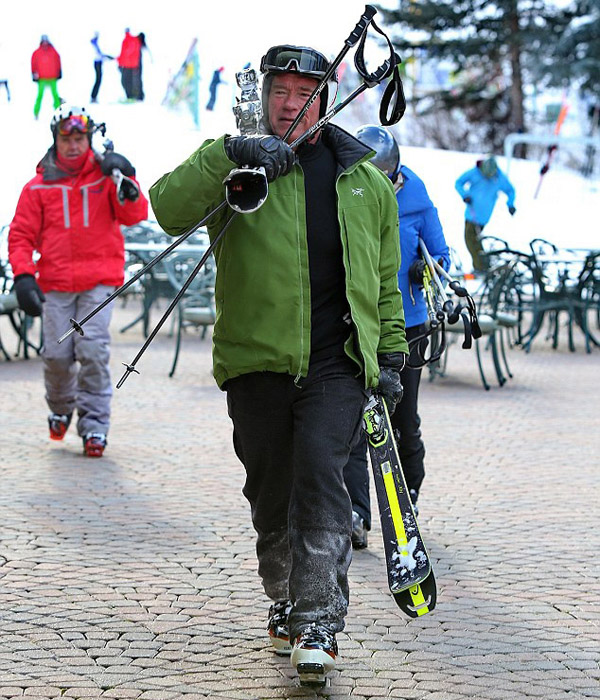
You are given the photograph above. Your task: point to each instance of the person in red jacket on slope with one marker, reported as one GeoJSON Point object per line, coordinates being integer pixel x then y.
{"type": "Point", "coordinates": [46, 71]}
{"type": "Point", "coordinates": [129, 61]}
{"type": "Point", "coordinates": [69, 215]}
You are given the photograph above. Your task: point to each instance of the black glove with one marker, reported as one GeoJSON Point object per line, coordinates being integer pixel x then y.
{"type": "Point", "coordinates": [114, 160]}
{"type": "Point", "coordinates": [390, 386]}
{"type": "Point", "coordinates": [270, 152]}
{"type": "Point", "coordinates": [416, 270]}
{"type": "Point", "coordinates": [511, 211]}
{"type": "Point", "coordinates": [128, 189]}
{"type": "Point", "coordinates": [467, 199]}
{"type": "Point", "coordinates": [29, 295]}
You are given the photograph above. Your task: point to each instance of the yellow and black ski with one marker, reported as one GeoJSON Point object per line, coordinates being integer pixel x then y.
{"type": "Point", "coordinates": [410, 575]}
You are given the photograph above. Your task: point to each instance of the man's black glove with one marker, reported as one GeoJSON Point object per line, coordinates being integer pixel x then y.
{"type": "Point", "coordinates": [467, 199]}
{"type": "Point", "coordinates": [416, 270]}
{"type": "Point", "coordinates": [390, 386]}
{"type": "Point", "coordinates": [114, 160]}
{"type": "Point", "coordinates": [29, 295]}
{"type": "Point", "coordinates": [511, 211]}
{"type": "Point", "coordinates": [270, 152]}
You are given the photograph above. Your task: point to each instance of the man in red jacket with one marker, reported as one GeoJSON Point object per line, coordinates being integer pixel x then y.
{"type": "Point", "coordinates": [45, 71]}
{"type": "Point", "coordinates": [129, 61]}
{"type": "Point", "coordinates": [69, 216]}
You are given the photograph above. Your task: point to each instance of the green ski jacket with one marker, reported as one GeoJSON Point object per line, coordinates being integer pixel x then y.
{"type": "Point", "coordinates": [262, 292]}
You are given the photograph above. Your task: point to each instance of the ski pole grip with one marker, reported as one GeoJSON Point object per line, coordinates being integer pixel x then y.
{"type": "Point", "coordinates": [361, 25]}
{"type": "Point", "coordinates": [456, 287]}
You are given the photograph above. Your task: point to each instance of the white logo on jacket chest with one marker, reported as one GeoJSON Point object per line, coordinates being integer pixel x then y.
{"type": "Point", "coordinates": [358, 191]}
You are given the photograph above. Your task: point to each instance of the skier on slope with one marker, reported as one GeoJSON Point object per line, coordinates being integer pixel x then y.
{"type": "Point", "coordinates": [309, 317]}
{"type": "Point", "coordinates": [479, 189]}
{"type": "Point", "coordinates": [46, 71]}
{"type": "Point", "coordinates": [418, 221]}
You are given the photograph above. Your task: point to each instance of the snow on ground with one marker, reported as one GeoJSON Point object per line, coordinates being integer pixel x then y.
{"type": "Point", "coordinates": [156, 139]}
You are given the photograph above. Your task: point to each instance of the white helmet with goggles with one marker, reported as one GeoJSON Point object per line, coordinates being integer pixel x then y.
{"type": "Point", "coordinates": [286, 58]}
{"type": "Point", "coordinates": [69, 118]}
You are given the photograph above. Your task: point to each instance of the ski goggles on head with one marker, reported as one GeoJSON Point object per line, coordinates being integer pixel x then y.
{"type": "Point", "coordinates": [286, 58]}
{"type": "Point", "coordinates": [78, 122]}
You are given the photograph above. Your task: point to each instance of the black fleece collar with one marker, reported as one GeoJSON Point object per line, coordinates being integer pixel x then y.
{"type": "Point", "coordinates": [348, 150]}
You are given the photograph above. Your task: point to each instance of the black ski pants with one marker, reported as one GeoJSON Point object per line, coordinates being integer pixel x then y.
{"type": "Point", "coordinates": [411, 450]}
{"type": "Point", "coordinates": [98, 82]}
{"type": "Point", "coordinates": [294, 442]}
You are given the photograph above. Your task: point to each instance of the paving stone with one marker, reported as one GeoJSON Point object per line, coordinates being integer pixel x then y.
{"type": "Point", "coordinates": [135, 576]}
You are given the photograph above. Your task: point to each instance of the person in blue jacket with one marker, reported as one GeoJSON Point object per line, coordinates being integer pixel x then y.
{"type": "Point", "coordinates": [418, 220]}
{"type": "Point", "coordinates": [479, 189]}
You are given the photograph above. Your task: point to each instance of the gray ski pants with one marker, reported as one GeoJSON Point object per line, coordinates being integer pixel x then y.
{"type": "Point", "coordinates": [76, 371]}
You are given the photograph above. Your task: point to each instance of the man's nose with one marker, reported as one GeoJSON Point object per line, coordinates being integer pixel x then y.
{"type": "Point", "coordinates": [295, 102]}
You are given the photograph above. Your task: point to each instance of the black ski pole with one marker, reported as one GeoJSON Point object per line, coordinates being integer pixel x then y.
{"type": "Point", "coordinates": [374, 79]}
{"type": "Point", "coordinates": [353, 37]}
{"type": "Point", "coordinates": [131, 367]}
{"type": "Point", "coordinates": [77, 325]}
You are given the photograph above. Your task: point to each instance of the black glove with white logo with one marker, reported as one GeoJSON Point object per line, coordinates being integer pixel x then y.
{"type": "Point", "coordinates": [269, 152]}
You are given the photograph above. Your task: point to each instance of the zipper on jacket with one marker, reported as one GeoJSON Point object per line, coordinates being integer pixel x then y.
{"type": "Point", "coordinates": [347, 276]}
{"type": "Point", "coordinates": [299, 372]}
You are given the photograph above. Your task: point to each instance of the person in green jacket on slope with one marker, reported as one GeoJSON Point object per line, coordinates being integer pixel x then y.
{"type": "Point", "coordinates": [309, 319]}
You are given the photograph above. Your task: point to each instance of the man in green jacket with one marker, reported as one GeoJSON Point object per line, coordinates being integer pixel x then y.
{"type": "Point", "coordinates": [309, 319]}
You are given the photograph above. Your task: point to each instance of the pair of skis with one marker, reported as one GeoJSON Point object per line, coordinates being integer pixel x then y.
{"type": "Point", "coordinates": [410, 574]}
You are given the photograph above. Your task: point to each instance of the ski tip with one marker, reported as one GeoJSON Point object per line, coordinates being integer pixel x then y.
{"type": "Point", "coordinates": [418, 600]}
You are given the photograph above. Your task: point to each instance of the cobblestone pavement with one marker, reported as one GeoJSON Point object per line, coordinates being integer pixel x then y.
{"type": "Point", "coordinates": [134, 576]}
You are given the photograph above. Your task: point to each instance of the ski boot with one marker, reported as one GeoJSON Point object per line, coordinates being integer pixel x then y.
{"type": "Point", "coordinates": [94, 444]}
{"type": "Point", "coordinates": [359, 532]}
{"type": "Point", "coordinates": [313, 655]}
{"type": "Point", "coordinates": [278, 627]}
{"type": "Point", "coordinates": [58, 424]}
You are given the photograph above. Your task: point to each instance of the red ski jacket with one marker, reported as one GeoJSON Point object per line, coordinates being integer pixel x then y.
{"type": "Point", "coordinates": [131, 50]}
{"type": "Point", "coordinates": [72, 221]}
{"type": "Point", "coordinates": [45, 63]}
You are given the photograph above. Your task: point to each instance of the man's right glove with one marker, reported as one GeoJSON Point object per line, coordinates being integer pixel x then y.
{"type": "Point", "coordinates": [29, 295]}
{"type": "Point", "coordinates": [467, 199]}
{"type": "Point", "coordinates": [416, 270]}
{"type": "Point", "coordinates": [270, 152]}
{"type": "Point", "coordinates": [114, 160]}
{"type": "Point", "coordinates": [511, 210]}
{"type": "Point", "coordinates": [390, 386]}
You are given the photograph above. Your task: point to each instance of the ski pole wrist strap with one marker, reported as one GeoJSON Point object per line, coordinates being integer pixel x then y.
{"type": "Point", "coordinates": [394, 92]}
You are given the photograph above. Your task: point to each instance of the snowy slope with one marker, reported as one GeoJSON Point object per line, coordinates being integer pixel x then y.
{"type": "Point", "coordinates": [156, 139]}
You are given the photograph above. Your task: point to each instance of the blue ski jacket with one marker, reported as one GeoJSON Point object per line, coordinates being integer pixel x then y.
{"type": "Point", "coordinates": [418, 219]}
{"type": "Point", "coordinates": [484, 192]}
